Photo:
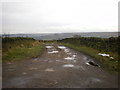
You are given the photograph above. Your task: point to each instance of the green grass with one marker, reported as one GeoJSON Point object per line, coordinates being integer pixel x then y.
{"type": "Point", "coordinates": [9, 43]}
{"type": "Point", "coordinates": [108, 64]}
{"type": "Point", "coordinates": [23, 52]}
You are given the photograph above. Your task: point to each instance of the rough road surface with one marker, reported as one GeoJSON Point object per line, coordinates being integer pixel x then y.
{"type": "Point", "coordinates": [58, 67]}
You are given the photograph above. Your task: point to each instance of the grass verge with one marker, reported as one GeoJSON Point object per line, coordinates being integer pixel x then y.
{"type": "Point", "coordinates": [19, 53]}
{"type": "Point", "coordinates": [110, 65]}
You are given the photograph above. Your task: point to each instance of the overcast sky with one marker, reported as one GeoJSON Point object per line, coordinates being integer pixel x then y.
{"type": "Point", "coordinates": [49, 16]}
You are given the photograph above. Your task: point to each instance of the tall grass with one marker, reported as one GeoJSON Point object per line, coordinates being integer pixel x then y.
{"type": "Point", "coordinates": [20, 48]}
{"type": "Point", "coordinates": [11, 42]}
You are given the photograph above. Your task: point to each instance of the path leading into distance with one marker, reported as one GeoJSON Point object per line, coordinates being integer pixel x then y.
{"type": "Point", "coordinates": [57, 67]}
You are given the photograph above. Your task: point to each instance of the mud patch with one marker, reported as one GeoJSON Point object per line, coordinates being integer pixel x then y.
{"type": "Point", "coordinates": [94, 80]}
{"type": "Point", "coordinates": [53, 83]}
{"type": "Point", "coordinates": [49, 70]}
{"type": "Point", "coordinates": [9, 63]}
{"type": "Point", "coordinates": [33, 68]}
{"type": "Point", "coordinates": [24, 73]}
{"type": "Point", "coordinates": [36, 59]}
{"type": "Point", "coordinates": [69, 53]}
{"type": "Point", "coordinates": [74, 61]}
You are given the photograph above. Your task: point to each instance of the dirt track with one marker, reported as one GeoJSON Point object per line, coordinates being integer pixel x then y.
{"type": "Point", "coordinates": [58, 67]}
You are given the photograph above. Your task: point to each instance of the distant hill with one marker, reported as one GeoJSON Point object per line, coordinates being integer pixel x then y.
{"type": "Point", "coordinates": [57, 36]}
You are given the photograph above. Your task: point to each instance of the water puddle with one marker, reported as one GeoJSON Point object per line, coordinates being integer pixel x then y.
{"type": "Point", "coordinates": [53, 52]}
{"type": "Point", "coordinates": [58, 60]}
{"type": "Point", "coordinates": [49, 70]}
{"type": "Point", "coordinates": [68, 65]}
{"type": "Point", "coordinates": [69, 58]}
{"type": "Point", "coordinates": [66, 50]}
{"type": "Point", "coordinates": [87, 63]}
{"type": "Point", "coordinates": [104, 54]}
{"type": "Point", "coordinates": [62, 47]}
{"type": "Point", "coordinates": [74, 56]}
{"type": "Point", "coordinates": [49, 46]}
{"type": "Point", "coordinates": [92, 63]}
{"type": "Point", "coordinates": [111, 57]}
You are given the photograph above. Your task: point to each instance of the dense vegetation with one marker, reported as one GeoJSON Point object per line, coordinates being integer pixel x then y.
{"type": "Point", "coordinates": [92, 46]}
{"type": "Point", "coordinates": [9, 43]}
{"type": "Point", "coordinates": [102, 44]}
{"type": "Point", "coordinates": [17, 48]}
